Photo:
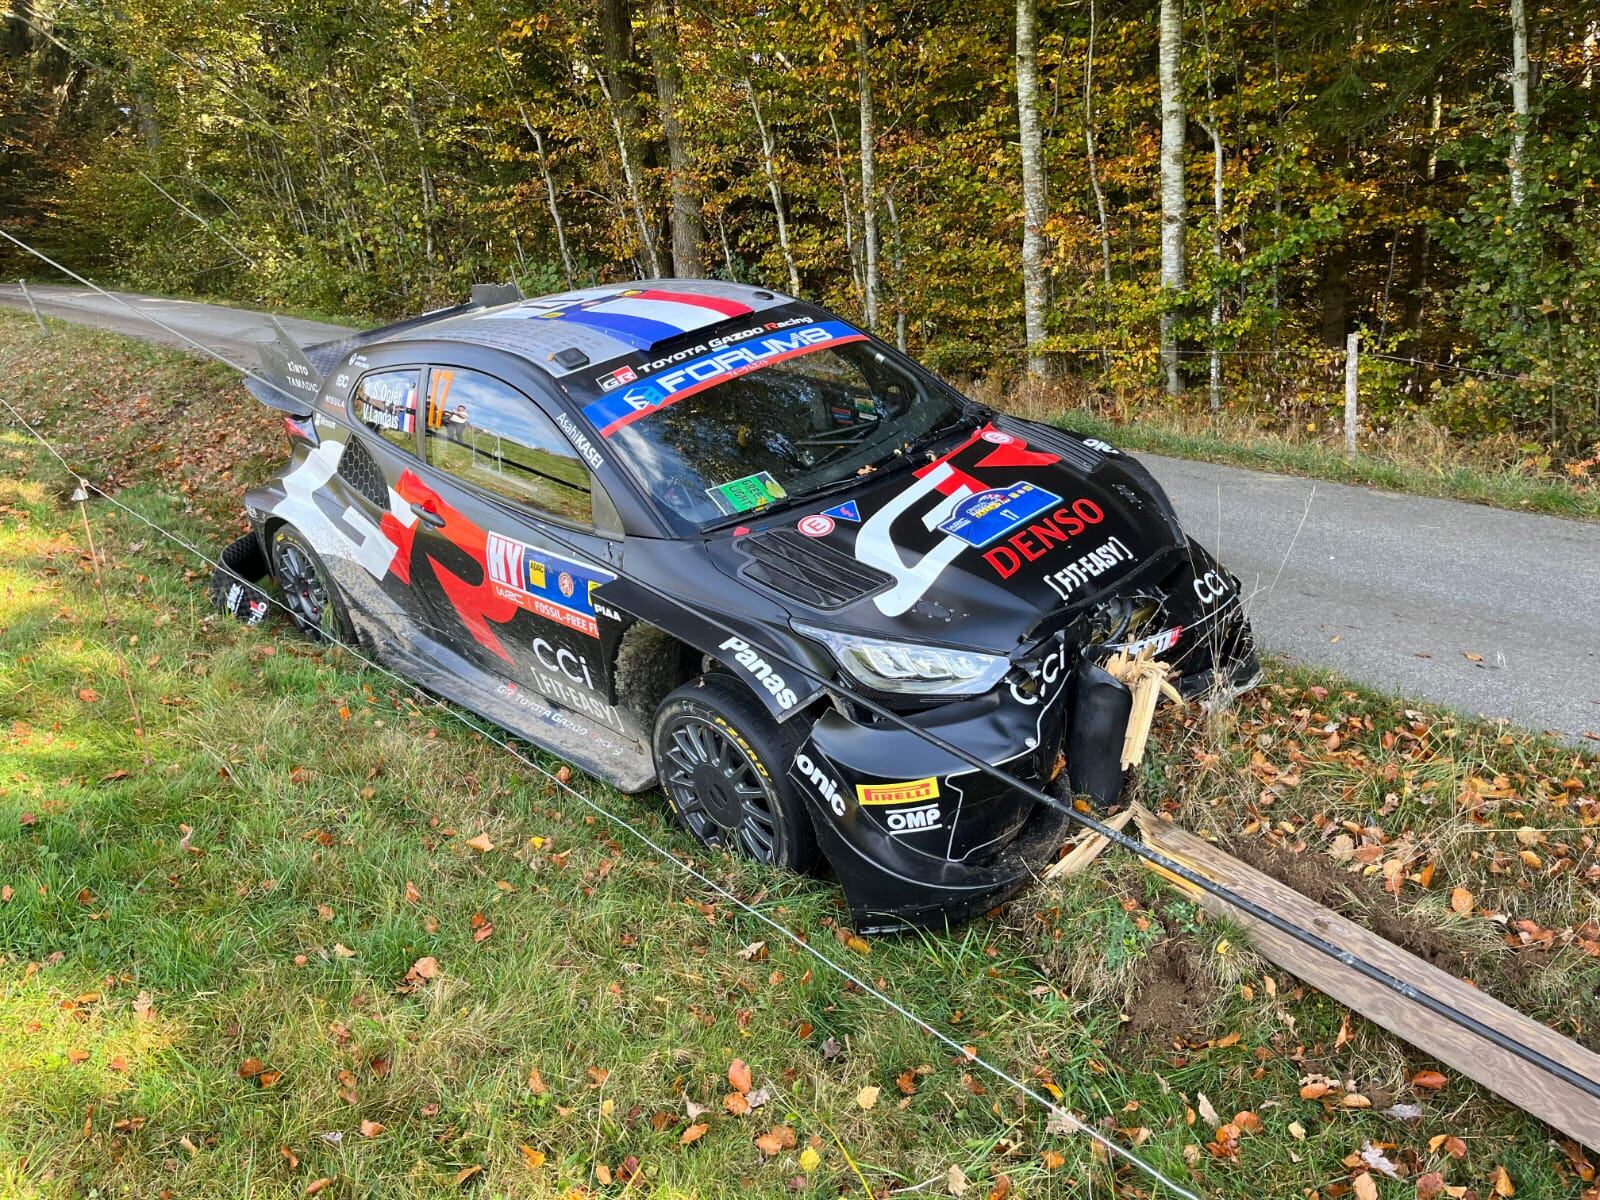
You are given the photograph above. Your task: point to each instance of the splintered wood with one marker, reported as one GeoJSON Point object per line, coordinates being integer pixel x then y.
{"type": "Point", "coordinates": [1146, 678]}
{"type": "Point", "coordinates": [1533, 1088]}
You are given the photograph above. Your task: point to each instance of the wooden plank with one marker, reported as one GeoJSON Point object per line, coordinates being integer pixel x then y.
{"type": "Point", "coordinates": [1554, 1101]}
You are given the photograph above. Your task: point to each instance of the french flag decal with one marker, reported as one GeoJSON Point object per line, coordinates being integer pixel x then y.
{"type": "Point", "coordinates": [637, 317]}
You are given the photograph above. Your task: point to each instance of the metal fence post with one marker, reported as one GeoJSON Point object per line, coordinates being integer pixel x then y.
{"type": "Point", "coordinates": [1352, 357]}
{"type": "Point", "coordinates": [28, 296]}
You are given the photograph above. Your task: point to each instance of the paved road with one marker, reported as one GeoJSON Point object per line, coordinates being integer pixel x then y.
{"type": "Point", "coordinates": [1488, 611]}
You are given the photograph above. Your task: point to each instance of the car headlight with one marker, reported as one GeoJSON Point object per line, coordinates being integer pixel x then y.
{"type": "Point", "coordinates": [906, 667]}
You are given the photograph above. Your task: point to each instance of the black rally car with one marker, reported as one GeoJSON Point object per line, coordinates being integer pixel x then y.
{"type": "Point", "coordinates": [605, 519]}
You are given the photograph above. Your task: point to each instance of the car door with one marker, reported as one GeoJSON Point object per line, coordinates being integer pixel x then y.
{"type": "Point", "coordinates": [516, 537]}
{"type": "Point", "coordinates": [380, 446]}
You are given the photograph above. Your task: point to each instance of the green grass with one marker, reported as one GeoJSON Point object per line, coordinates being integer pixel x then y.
{"type": "Point", "coordinates": [1450, 475]}
{"type": "Point", "coordinates": [229, 881]}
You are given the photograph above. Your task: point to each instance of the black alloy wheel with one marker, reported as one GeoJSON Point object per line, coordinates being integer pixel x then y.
{"type": "Point", "coordinates": [308, 591]}
{"type": "Point", "coordinates": [723, 763]}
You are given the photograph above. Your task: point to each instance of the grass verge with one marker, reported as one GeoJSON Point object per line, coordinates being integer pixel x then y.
{"type": "Point", "coordinates": [266, 919]}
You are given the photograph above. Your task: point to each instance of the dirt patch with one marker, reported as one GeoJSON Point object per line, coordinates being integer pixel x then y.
{"type": "Point", "coordinates": [1172, 995]}
{"type": "Point", "coordinates": [1319, 878]}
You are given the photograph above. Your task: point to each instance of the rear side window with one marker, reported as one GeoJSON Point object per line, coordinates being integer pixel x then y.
{"type": "Point", "coordinates": [488, 434]}
{"type": "Point", "coordinates": [386, 403]}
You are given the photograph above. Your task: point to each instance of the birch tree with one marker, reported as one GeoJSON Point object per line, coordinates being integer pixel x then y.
{"type": "Point", "coordinates": [1519, 101]}
{"type": "Point", "coordinates": [872, 280]}
{"type": "Point", "coordinates": [1035, 285]}
{"type": "Point", "coordinates": [1172, 203]}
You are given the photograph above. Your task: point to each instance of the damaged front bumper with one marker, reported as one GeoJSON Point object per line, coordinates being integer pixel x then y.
{"type": "Point", "coordinates": [919, 837]}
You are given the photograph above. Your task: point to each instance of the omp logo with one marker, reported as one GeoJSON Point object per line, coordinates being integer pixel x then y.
{"type": "Point", "coordinates": [822, 781]}
{"type": "Point", "coordinates": [761, 672]}
{"type": "Point", "coordinates": [915, 820]}
{"type": "Point", "coordinates": [897, 793]}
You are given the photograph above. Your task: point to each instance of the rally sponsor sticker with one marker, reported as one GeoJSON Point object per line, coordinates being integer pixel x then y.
{"type": "Point", "coordinates": [844, 512]}
{"type": "Point", "coordinates": [742, 495]}
{"type": "Point", "coordinates": [997, 438]}
{"type": "Point", "coordinates": [989, 515]}
{"type": "Point", "coordinates": [816, 525]}
{"type": "Point", "coordinates": [912, 791]}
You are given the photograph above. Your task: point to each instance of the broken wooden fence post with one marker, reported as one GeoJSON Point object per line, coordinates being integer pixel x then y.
{"type": "Point", "coordinates": [1352, 357]}
{"type": "Point", "coordinates": [34, 308]}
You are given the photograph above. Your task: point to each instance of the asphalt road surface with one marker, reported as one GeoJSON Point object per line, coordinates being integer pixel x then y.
{"type": "Point", "coordinates": [1490, 612]}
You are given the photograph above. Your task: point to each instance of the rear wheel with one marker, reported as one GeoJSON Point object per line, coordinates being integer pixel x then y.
{"type": "Point", "coordinates": [309, 592]}
{"type": "Point", "coordinates": [723, 763]}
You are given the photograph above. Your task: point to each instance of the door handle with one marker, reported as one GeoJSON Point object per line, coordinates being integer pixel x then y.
{"type": "Point", "coordinates": [427, 516]}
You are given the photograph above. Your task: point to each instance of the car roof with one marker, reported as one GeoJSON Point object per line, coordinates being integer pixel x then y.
{"type": "Point", "coordinates": [601, 323]}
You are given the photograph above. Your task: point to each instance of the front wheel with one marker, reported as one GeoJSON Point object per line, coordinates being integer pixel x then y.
{"type": "Point", "coordinates": [309, 592]}
{"type": "Point", "coordinates": [723, 763]}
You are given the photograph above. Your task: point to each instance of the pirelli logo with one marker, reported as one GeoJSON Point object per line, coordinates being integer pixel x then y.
{"type": "Point", "coordinates": [910, 792]}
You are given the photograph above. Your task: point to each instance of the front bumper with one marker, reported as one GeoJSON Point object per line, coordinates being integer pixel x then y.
{"type": "Point", "coordinates": [919, 837]}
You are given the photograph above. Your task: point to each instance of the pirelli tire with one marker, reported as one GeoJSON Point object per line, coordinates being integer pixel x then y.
{"type": "Point", "coordinates": [235, 584]}
{"type": "Point", "coordinates": [723, 763]}
{"type": "Point", "coordinates": [308, 591]}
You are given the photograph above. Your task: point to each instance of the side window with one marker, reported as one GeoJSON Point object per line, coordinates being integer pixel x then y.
{"type": "Point", "coordinates": [386, 403]}
{"type": "Point", "coordinates": [492, 436]}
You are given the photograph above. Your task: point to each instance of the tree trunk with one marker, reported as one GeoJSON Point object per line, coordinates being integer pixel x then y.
{"type": "Point", "coordinates": [630, 176]}
{"type": "Point", "coordinates": [1088, 145]}
{"type": "Point", "coordinates": [567, 267]}
{"type": "Point", "coordinates": [869, 178]}
{"type": "Point", "coordinates": [1519, 101]}
{"type": "Point", "coordinates": [684, 215]}
{"type": "Point", "coordinates": [1035, 285]}
{"type": "Point", "coordinates": [615, 77]}
{"type": "Point", "coordinates": [1172, 200]}
{"type": "Point", "coordinates": [898, 265]}
{"type": "Point", "coordinates": [1216, 250]}
{"type": "Point", "coordinates": [844, 202]}
{"type": "Point", "coordinates": [773, 190]}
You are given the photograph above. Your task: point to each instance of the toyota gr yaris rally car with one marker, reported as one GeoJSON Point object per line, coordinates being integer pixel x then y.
{"type": "Point", "coordinates": [615, 521]}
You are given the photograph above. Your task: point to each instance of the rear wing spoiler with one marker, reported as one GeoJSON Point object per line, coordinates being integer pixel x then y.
{"type": "Point", "coordinates": [290, 376]}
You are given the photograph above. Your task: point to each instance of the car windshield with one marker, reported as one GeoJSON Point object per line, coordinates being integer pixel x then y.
{"type": "Point", "coordinates": [785, 418]}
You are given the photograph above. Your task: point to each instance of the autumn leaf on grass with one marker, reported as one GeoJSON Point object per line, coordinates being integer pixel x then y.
{"type": "Point", "coordinates": [867, 1096]}
{"type": "Point", "coordinates": [1433, 1080]}
{"type": "Point", "coordinates": [533, 1158]}
{"type": "Point", "coordinates": [739, 1075]}
{"type": "Point", "coordinates": [467, 1173]}
{"type": "Point", "coordinates": [1500, 1181]}
{"type": "Point", "coordinates": [736, 1104]}
{"type": "Point", "coordinates": [693, 1134]}
{"type": "Point", "coordinates": [482, 845]}
{"type": "Point", "coordinates": [1366, 1187]}
{"type": "Point", "coordinates": [371, 1129]}
{"type": "Point", "coordinates": [536, 1083]}
{"type": "Point", "coordinates": [482, 927]}
{"type": "Point", "coordinates": [776, 1140]}
{"type": "Point", "coordinates": [421, 971]}
{"type": "Point", "coordinates": [319, 1185]}
{"type": "Point", "coordinates": [1460, 901]}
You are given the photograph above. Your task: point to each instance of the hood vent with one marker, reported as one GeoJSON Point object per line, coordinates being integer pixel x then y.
{"type": "Point", "coordinates": [804, 569]}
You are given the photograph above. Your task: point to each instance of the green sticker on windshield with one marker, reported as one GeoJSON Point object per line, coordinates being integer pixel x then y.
{"type": "Point", "coordinates": [742, 495]}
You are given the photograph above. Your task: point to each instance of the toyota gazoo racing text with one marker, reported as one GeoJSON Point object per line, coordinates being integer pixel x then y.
{"type": "Point", "coordinates": [635, 525]}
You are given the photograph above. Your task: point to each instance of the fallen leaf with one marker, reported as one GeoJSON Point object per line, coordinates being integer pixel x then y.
{"type": "Point", "coordinates": [1366, 1188]}
{"type": "Point", "coordinates": [809, 1159]}
{"type": "Point", "coordinates": [1053, 1160]}
{"type": "Point", "coordinates": [1207, 1111]}
{"type": "Point", "coordinates": [955, 1181]}
{"type": "Point", "coordinates": [1430, 1186]}
{"type": "Point", "coordinates": [1453, 1146]}
{"type": "Point", "coordinates": [536, 1083]}
{"type": "Point", "coordinates": [76, 1056]}
{"type": "Point", "coordinates": [250, 1068]}
{"type": "Point", "coordinates": [1297, 1131]}
{"type": "Point", "coordinates": [88, 695]}
{"type": "Point", "coordinates": [1001, 1188]}
{"type": "Point", "coordinates": [533, 1158]}
{"type": "Point", "coordinates": [1432, 1080]}
{"type": "Point", "coordinates": [739, 1075]}
{"type": "Point", "coordinates": [371, 1129]}
{"type": "Point", "coordinates": [693, 1134]}
{"type": "Point", "coordinates": [776, 1140]}
{"type": "Point", "coordinates": [1500, 1180]}
{"type": "Point", "coordinates": [736, 1104]}
{"type": "Point", "coordinates": [318, 1185]}
{"type": "Point", "coordinates": [467, 1173]}
{"type": "Point", "coordinates": [867, 1096]}
{"type": "Point", "coordinates": [1460, 901]}
{"type": "Point", "coordinates": [412, 895]}
{"type": "Point", "coordinates": [482, 845]}
{"type": "Point", "coordinates": [1355, 1100]}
